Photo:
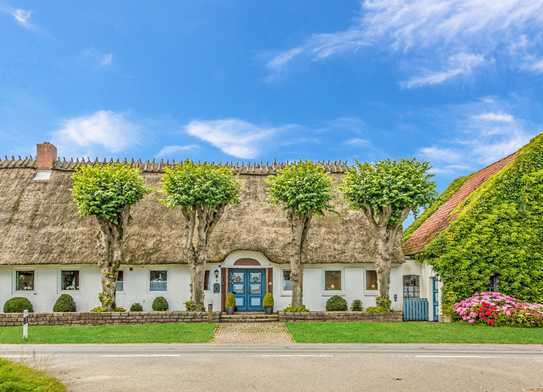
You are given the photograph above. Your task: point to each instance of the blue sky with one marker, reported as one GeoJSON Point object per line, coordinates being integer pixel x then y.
{"type": "Point", "coordinates": [455, 82]}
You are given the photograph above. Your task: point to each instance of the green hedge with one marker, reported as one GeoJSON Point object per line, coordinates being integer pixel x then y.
{"type": "Point", "coordinates": [499, 230]}
{"type": "Point", "coordinates": [160, 304]}
{"type": "Point", "coordinates": [65, 303]}
{"type": "Point", "coordinates": [336, 303]}
{"type": "Point", "coordinates": [17, 305]}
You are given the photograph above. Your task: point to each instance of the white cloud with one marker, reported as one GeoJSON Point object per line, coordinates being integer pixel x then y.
{"type": "Point", "coordinates": [431, 30]}
{"type": "Point", "coordinates": [98, 58]}
{"type": "Point", "coordinates": [280, 61]}
{"type": "Point", "coordinates": [358, 142]}
{"type": "Point", "coordinates": [107, 130]}
{"type": "Point", "coordinates": [460, 64]}
{"type": "Point", "coordinates": [167, 151]}
{"type": "Point", "coordinates": [21, 16]}
{"type": "Point", "coordinates": [536, 66]}
{"type": "Point", "coordinates": [495, 117]}
{"type": "Point", "coordinates": [439, 154]}
{"type": "Point", "coordinates": [449, 169]}
{"type": "Point", "coordinates": [483, 132]}
{"type": "Point", "coordinates": [234, 137]}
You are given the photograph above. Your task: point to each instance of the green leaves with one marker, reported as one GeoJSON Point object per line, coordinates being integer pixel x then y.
{"type": "Point", "coordinates": [302, 188]}
{"type": "Point", "coordinates": [104, 191]}
{"type": "Point", "coordinates": [190, 185]}
{"type": "Point", "coordinates": [498, 230]}
{"type": "Point", "coordinates": [400, 185]}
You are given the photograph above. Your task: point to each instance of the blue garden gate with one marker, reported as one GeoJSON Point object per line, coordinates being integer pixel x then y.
{"type": "Point", "coordinates": [415, 309]}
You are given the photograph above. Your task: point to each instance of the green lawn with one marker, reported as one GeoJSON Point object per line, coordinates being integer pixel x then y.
{"type": "Point", "coordinates": [15, 377]}
{"type": "Point", "coordinates": [137, 333]}
{"type": "Point", "coordinates": [411, 332]}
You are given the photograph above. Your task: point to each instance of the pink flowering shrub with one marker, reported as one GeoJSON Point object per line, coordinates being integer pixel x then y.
{"type": "Point", "coordinates": [496, 309]}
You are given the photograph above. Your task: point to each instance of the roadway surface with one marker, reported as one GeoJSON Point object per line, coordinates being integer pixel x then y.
{"type": "Point", "coordinates": [345, 367]}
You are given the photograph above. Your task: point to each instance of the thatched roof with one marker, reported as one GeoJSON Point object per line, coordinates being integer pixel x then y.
{"type": "Point", "coordinates": [39, 223]}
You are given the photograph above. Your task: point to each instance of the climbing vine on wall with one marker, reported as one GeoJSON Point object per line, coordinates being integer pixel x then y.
{"type": "Point", "coordinates": [498, 232]}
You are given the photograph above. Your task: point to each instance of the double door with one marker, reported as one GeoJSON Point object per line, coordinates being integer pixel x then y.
{"type": "Point", "coordinates": [248, 286]}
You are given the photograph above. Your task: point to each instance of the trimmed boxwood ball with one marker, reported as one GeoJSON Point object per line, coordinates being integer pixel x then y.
{"type": "Point", "coordinates": [136, 308]}
{"type": "Point", "coordinates": [65, 303]}
{"type": "Point", "coordinates": [160, 304]}
{"type": "Point", "coordinates": [356, 306]}
{"type": "Point", "coordinates": [17, 305]}
{"type": "Point", "coordinates": [336, 303]}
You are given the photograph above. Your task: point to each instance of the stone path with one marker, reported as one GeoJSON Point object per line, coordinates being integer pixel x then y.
{"type": "Point", "coordinates": [252, 333]}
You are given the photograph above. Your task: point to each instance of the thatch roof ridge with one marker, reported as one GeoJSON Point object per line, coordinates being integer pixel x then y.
{"type": "Point", "coordinates": [154, 166]}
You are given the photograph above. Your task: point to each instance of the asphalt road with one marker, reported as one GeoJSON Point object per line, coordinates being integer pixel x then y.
{"type": "Point", "coordinates": [174, 367]}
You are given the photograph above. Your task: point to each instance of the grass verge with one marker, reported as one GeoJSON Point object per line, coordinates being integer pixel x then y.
{"type": "Point", "coordinates": [15, 377]}
{"type": "Point", "coordinates": [136, 333]}
{"type": "Point", "coordinates": [410, 332]}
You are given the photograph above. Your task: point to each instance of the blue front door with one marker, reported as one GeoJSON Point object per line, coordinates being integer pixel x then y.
{"type": "Point", "coordinates": [248, 287]}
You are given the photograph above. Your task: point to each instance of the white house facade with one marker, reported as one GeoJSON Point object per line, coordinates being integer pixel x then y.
{"type": "Point", "coordinates": [48, 250]}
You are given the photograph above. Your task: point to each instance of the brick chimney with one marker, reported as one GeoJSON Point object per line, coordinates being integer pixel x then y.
{"type": "Point", "coordinates": [46, 156]}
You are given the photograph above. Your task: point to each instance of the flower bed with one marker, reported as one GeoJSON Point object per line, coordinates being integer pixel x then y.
{"type": "Point", "coordinates": [497, 309]}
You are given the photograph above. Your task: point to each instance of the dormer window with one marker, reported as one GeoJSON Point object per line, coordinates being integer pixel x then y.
{"type": "Point", "coordinates": [43, 175]}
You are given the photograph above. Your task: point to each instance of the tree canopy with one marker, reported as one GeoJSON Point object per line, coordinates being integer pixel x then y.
{"type": "Point", "coordinates": [389, 190]}
{"type": "Point", "coordinates": [202, 192]}
{"type": "Point", "coordinates": [191, 185]}
{"type": "Point", "coordinates": [302, 188]}
{"type": "Point", "coordinates": [104, 191]}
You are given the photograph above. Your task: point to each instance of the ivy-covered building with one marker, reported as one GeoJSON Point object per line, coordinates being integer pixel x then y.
{"type": "Point", "coordinates": [485, 232]}
{"type": "Point", "coordinates": [47, 249]}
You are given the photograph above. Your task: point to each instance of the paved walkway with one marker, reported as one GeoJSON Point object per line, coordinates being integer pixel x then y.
{"type": "Point", "coordinates": [252, 333]}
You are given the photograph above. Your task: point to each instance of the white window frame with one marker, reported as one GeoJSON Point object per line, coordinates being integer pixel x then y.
{"type": "Point", "coordinates": [167, 280]}
{"type": "Point", "coordinates": [284, 293]}
{"type": "Point", "coordinates": [124, 282]}
{"type": "Point", "coordinates": [14, 280]}
{"type": "Point", "coordinates": [330, 293]}
{"type": "Point", "coordinates": [370, 293]}
{"type": "Point", "coordinates": [60, 280]}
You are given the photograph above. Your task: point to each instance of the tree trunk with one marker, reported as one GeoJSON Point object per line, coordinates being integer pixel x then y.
{"type": "Point", "coordinates": [112, 236]}
{"type": "Point", "coordinates": [383, 262]}
{"type": "Point", "coordinates": [198, 268]}
{"type": "Point", "coordinates": [300, 226]}
{"type": "Point", "coordinates": [199, 224]}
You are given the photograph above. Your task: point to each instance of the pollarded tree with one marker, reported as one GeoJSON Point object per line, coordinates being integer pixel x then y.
{"type": "Point", "coordinates": [303, 190]}
{"type": "Point", "coordinates": [107, 192]}
{"type": "Point", "coordinates": [202, 192]}
{"type": "Point", "coordinates": [386, 192]}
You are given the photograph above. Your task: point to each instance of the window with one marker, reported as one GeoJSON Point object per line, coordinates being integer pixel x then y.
{"type": "Point", "coordinates": [371, 280]}
{"type": "Point", "coordinates": [159, 281]}
{"type": "Point", "coordinates": [494, 282]}
{"type": "Point", "coordinates": [69, 280]}
{"type": "Point", "coordinates": [332, 280]}
{"type": "Point", "coordinates": [286, 283]}
{"type": "Point", "coordinates": [206, 280]}
{"type": "Point", "coordinates": [24, 280]}
{"type": "Point", "coordinates": [120, 281]}
{"type": "Point", "coordinates": [411, 286]}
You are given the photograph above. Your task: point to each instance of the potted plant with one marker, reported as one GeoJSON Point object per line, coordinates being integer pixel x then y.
{"type": "Point", "coordinates": [268, 303]}
{"type": "Point", "coordinates": [230, 303]}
